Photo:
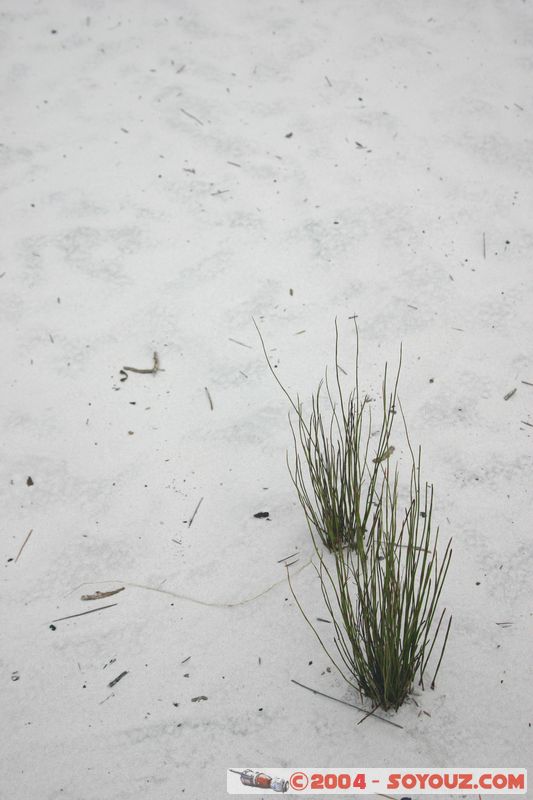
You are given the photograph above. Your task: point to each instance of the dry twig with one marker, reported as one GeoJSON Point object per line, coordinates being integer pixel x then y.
{"type": "Point", "coordinates": [23, 545]}
{"type": "Point", "coordinates": [101, 595]}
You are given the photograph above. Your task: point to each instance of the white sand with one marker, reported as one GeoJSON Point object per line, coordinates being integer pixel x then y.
{"type": "Point", "coordinates": [126, 230]}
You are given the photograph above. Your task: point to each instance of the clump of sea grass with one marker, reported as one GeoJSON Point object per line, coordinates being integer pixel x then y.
{"type": "Point", "coordinates": [383, 578]}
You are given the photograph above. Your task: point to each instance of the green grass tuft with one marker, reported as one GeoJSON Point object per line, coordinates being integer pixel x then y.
{"type": "Point", "coordinates": [335, 478]}
{"type": "Point", "coordinates": [383, 578]}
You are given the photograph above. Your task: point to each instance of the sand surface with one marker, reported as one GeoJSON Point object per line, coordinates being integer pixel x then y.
{"type": "Point", "coordinates": [169, 171]}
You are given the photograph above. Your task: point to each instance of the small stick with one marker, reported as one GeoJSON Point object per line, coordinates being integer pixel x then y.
{"type": "Point", "coordinates": [105, 698]}
{"type": "Point", "coordinates": [287, 557]}
{"type": "Point", "coordinates": [23, 545]}
{"type": "Point", "coordinates": [329, 83]}
{"type": "Point", "coordinates": [319, 619]}
{"type": "Point", "coordinates": [370, 713]}
{"type": "Point", "coordinates": [209, 398]}
{"type": "Point", "coordinates": [101, 595]}
{"type": "Point", "coordinates": [186, 659]}
{"type": "Point", "coordinates": [344, 702]}
{"type": "Point", "coordinates": [195, 512]}
{"type": "Point", "coordinates": [233, 164]}
{"type": "Point", "coordinates": [241, 343]}
{"type": "Point", "coordinates": [527, 383]}
{"type": "Point", "coordinates": [117, 679]}
{"type": "Point", "coordinates": [187, 114]}
{"type": "Point", "coordinates": [526, 423]}
{"type": "Point", "coordinates": [153, 369]}
{"type": "Point", "coordinates": [292, 562]}
{"type": "Point", "coordinates": [82, 613]}
{"type": "Point", "coordinates": [510, 394]}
